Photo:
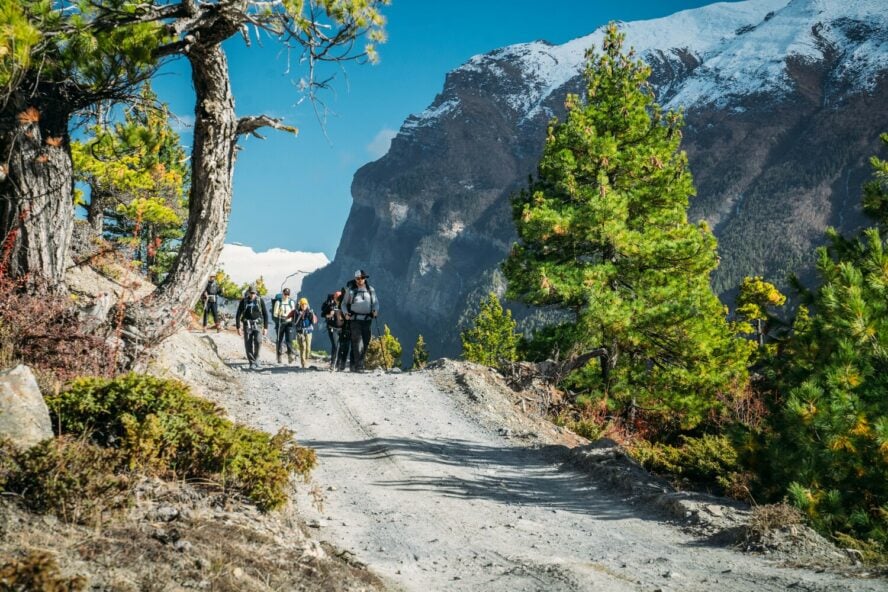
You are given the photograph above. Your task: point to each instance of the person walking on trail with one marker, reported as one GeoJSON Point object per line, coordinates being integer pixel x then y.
{"type": "Point", "coordinates": [306, 319]}
{"type": "Point", "coordinates": [252, 313]}
{"type": "Point", "coordinates": [335, 321]}
{"type": "Point", "coordinates": [360, 306]}
{"type": "Point", "coordinates": [283, 311]}
{"type": "Point", "coordinates": [345, 351]}
{"type": "Point", "coordinates": [210, 305]}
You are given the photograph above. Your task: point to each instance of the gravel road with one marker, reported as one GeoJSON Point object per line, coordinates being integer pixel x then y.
{"type": "Point", "coordinates": [413, 483]}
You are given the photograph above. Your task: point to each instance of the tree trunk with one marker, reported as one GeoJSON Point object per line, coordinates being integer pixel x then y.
{"type": "Point", "coordinates": [36, 192]}
{"type": "Point", "coordinates": [215, 135]}
{"type": "Point", "coordinates": [95, 211]}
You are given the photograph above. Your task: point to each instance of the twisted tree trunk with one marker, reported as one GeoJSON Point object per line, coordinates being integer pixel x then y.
{"type": "Point", "coordinates": [36, 192]}
{"type": "Point", "coordinates": [213, 154]}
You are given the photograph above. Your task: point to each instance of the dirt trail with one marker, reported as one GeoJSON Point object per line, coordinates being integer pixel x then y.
{"type": "Point", "coordinates": [431, 497]}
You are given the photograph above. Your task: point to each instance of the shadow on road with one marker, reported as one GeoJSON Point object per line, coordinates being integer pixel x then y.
{"type": "Point", "coordinates": [508, 475]}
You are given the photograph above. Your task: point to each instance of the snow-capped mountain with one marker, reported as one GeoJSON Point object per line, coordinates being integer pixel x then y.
{"type": "Point", "coordinates": [783, 101]}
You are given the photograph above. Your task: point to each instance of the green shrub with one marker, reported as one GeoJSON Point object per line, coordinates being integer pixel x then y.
{"type": "Point", "coordinates": [158, 426]}
{"type": "Point", "coordinates": [710, 460]}
{"type": "Point", "coordinates": [492, 340]}
{"type": "Point", "coordinates": [68, 477]}
{"type": "Point", "coordinates": [383, 352]}
{"type": "Point", "coordinates": [420, 354]}
{"type": "Point", "coordinates": [37, 571]}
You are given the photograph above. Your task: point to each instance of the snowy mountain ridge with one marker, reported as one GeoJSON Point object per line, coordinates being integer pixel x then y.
{"type": "Point", "coordinates": [728, 51]}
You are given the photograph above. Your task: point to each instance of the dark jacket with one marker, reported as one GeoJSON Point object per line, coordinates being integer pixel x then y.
{"type": "Point", "coordinates": [247, 311]}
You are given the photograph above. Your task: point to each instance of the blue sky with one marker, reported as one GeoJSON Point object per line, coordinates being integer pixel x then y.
{"type": "Point", "coordinates": [294, 192]}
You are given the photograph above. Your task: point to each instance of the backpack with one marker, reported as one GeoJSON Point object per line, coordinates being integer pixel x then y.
{"type": "Point", "coordinates": [305, 320]}
{"type": "Point", "coordinates": [353, 289]}
{"type": "Point", "coordinates": [253, 308]}
{"type": "Point", "coordinates": [276, 309]}
{"type": "Point", "coordinates": [337, 321]}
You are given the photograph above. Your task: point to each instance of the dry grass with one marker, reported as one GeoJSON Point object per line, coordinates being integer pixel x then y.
{"type": "Point", "coordinates": [207, 546]}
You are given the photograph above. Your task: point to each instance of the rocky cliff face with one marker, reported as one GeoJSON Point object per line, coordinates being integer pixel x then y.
{"type": "Point", "coordinates": [784, 101]}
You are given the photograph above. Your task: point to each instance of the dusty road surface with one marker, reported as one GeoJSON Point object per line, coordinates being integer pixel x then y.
{"type": "Point", "coordinates": [433, 497]}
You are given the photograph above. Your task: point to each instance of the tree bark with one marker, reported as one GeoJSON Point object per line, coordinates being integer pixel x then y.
{"type": "Point", "coordinates": [36, 192]}
{"type": "Point", "coordinates": [213, 154]}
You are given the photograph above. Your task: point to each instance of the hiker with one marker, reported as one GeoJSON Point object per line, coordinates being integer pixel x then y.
{"type": "Point", "coordinates": [252, 312]}
{"type": "Point", "coordinates": [209, 297]}
{"type": "Point", "coordinates": [305, 322]}
{"type": "Point", "coordinates": [283, 311]}
{"type": "Point", "coordinates": [335, 321]}
{"type": "Point", "coordinates": [277, 298]}
{"type": "Point", "coordinates": [345, 353]}
{"type": "Point", "coordinates": [360, 306]}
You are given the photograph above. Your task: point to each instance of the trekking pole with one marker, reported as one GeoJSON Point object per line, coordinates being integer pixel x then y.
{"type": "Point", "coordinates": [385, 359]}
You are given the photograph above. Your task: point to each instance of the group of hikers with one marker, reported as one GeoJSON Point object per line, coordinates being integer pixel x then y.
{"type": "Point", "coordinates": [348, 314]}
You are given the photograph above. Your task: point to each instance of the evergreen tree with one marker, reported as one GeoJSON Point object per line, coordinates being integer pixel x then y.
{"type": "Point", "coordinates": [603, 233]}
{"type": "Point", "coordinates": [492, 340]}
{"type": "Point", "coordinates": [137, 173]}
{"type": "Point", "coordinates": [755, 303]}
{"type": "Point", "coordinates": [420, 354]}
{"type": "Point", "coordinates": [383, 352]}
{"type": "Point", "coordinates": [828, 442]}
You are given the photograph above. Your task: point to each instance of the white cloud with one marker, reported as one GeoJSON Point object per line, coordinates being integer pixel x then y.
{"type": "Point", "coordinates": [381, 142]}
{"type": "Point", "coordinates": [244, 264]}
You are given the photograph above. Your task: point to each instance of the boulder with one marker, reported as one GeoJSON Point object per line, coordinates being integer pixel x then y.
{"type": "Point", "coordinates": [24, 417]}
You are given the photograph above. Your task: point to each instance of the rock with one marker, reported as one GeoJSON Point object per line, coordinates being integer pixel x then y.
{"type": "Point", "coordinates": [163, 514]}
{"type": "Point", "coordinates": [183, 546]}
{"type": "Point", "coordinates": [313, 550]}
{"type": "Point", "coordinates": [24, 417]}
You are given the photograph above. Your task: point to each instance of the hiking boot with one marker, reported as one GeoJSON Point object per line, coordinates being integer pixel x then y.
{"type": "Point", "coordinates": [252, 365]}
{"type": "Point", "coordinates": [289, 358]}
{"type": "Point", "coordinates": [279, 358]}
{"type": "Point", "coordinates": [257, 365]}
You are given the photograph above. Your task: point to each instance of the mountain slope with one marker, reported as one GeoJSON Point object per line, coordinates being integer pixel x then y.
{"type": "Point", "coordinates": [784, 100]}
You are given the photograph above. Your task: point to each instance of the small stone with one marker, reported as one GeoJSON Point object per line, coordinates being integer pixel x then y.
{"type": "Point", "coordinates": [183, 546]}
{"type": "Point", "coordinates": [715, 510]}
{"type": "Point", "coordinates": [313, 550]}
{"type": "Point", "coordinates": [164, 514]}
{"type": "Point", "coordinates": [237, 572]}
{"type": "Point", "coordinates": [331, 488]}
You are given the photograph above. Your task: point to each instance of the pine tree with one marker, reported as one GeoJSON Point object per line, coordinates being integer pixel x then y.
{"type": "Point", "coordinates": [492, 340]}
{"type": "Point", "coordinates": [137, 173]}
{"type": "Point", "coordinates": [756, 302]}
{"type": "Point", "coordinates": [420, 354]}
{"type": "Point", "coordinates": [383, 352]}
{"type": "Point", "coordinates": [603, 233]}
{"type": "Point", "coordinates": [828, 443]}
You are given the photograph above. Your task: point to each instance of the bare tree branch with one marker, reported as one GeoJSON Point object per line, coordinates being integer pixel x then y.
{"type": "Point", "coordinates": [249, 125]}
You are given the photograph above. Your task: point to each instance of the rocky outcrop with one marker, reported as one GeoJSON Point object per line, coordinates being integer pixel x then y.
{"type": "Point", "coordinates": [24, 417]}
{"type": "Point", "coordinates": [783, 101]}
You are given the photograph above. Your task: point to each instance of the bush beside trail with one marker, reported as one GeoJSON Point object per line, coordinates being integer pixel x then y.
{"type": "Point", "coordinates": [159, 427]}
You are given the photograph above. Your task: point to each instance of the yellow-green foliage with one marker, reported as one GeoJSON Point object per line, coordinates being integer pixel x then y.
{"type": "Point", "coordinates": [37, 571]}
{"type": "Point", "coordinates": [707, 460]}
{"type": "Point", "coordinates": [68, 477]}
{"type": "Point", "coordinates": [17, 38]}
{"type": "Point", "coordinates": [492, 340]}
{"type": "Point", "coordinates": [420, 354]}
{"type": "Point", "coordinates": [159, 426]}
{"type": "Point", "coordinates": [383, 352]}
{"type": "Point", "coordinates": [756, 295]}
